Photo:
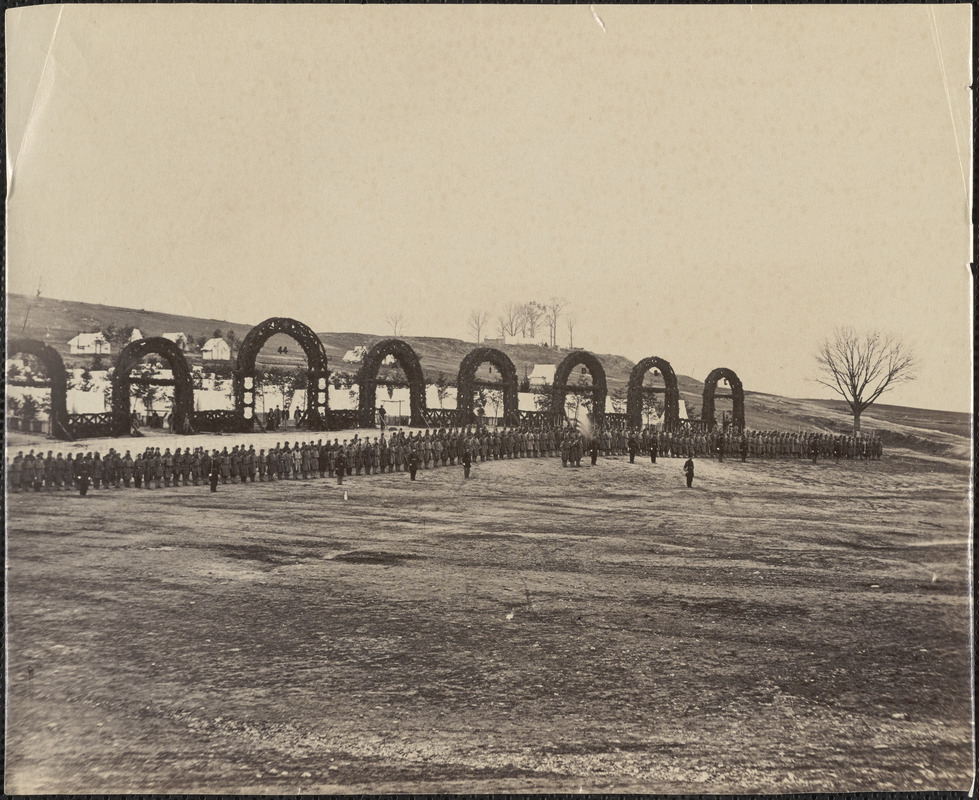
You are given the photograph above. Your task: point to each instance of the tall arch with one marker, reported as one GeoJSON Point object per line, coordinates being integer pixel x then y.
{"type": "Point", "coordinates": [183, 387]}
{"type": "Point", "coordinates": [707, 413]}
{"type": "Point", "coordinates": [599, 387]}
{"type": "Point", "coordinates": [466, 382]}
{"type": "Point", "coordinates": [367, 379]}
{"type": "Point", "coordinates": [54, 368]}
{"type": "Point", "coordinates": [317, 374]}
{"type": "Point", "coordinates": [671, 392]}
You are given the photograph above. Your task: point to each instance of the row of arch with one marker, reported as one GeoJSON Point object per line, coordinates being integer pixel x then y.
{"type": "Point", "coordinates": [318, 415]}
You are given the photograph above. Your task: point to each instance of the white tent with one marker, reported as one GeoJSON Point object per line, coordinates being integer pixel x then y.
{"type": "Point", "coordinates": [542, 374]}
{"type": "Point", "coordinates": [179, 339]}
{"type": "Point", "coordinates": [355, 356]}
{"type": "Point", "coordinates": [86, 343]}
{"type": "Point", "coordinates": [215, 350]}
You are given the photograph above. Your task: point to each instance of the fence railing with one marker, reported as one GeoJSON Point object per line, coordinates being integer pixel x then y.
{"type": "Point", "coordinates": [543, 419]}
{"type": "Point", "coordinates": [85, 426]}
{"type": "Point", "coordinates": [344, 419]}
{"type": "Point", "coordinates": [217, 421]}
{"type": "Point", "coordinates": [448, 418]}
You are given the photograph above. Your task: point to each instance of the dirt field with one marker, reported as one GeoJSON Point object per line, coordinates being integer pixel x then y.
{"type": "Point", "coordinates": [782, 627]}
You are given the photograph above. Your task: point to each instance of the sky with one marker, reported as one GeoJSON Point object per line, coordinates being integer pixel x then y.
{"type": "Point", "coordinates": [717, 186]}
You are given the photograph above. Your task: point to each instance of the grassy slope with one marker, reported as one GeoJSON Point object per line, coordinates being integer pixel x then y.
{"type": "Point", "coordinates": [57, 321]}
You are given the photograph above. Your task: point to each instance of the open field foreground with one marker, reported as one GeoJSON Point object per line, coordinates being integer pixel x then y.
{"type": "Point", "coordinates": [781, 627]}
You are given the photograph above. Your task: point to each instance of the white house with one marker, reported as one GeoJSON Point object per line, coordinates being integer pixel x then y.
{"type": "Point", "coordinates": [89, 344]}
{"type": "Point", "coordinates": [135, 336]}
{"type": "Point", "coordinates": [215, 350]}
{"type": "Point", "coordinates": [179, 339]}
{"type": "Point", "coordinates": [539, 341]}
{"type": "Point", "coordinates": [542, 374]}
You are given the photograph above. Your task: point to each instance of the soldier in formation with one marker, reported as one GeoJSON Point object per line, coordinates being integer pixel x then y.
{"type": "Point", "coordinates": [402, 451]}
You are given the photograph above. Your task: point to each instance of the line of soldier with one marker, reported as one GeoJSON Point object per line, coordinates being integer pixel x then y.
{"type": "Point", "coordinates": [365, 456]}
{"type": "Point", "coordinates": [765, 444]}
{"type": "Point", "coordinates": [152, 468]}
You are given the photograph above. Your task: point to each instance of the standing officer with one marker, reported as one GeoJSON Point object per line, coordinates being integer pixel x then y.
{"type": "Point", "coordinates": [688, 471]}
{"type": "Point", "coordinates": [216, 470]}
{"type": "Point", "coordinates": [83, 471]}
{"type": "Point", "coordinates": [341, 465]}
{"type": "Point", "coordinates": [413, 463]}
{"type": "Point", "coordinates": [467, 462]}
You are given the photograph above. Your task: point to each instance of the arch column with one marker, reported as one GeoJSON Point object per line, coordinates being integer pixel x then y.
{"type": "Point", "coordinates": [466, 382]}
{"type": "Point", "coordinates": [183, 386]}
{"type": "Point", "coordinates": [317, 372]}
{"type": "Point", "coordinates": [57, 376]}
{"type": "Point", "coordinates": [671, 392]}
{"type": "Point", "coordinates": [367, 380]}
{"type": "Point", "coordinates": [599, 389]}
{"type": "Point", "coordinates": [707, 413]}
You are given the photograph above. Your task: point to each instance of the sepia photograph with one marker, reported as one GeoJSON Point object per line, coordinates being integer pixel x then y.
{"type": "Point", "coordinates": [488, 399]}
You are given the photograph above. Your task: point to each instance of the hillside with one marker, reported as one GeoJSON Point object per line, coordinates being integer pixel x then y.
{"type": "Point", "coordinates": [56, 321]}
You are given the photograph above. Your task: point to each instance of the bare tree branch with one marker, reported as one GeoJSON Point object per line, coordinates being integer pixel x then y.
{"type": "Point", "coordinates": [861, 368]}
{"type": "Point", "coordinates": [397, 321]}
{"type": "Point", "coordinates": [552, 313]}
{"type": "Point", "coordinates": [510, 319]}
{"type": "Point", "coordinates": [477, 321]}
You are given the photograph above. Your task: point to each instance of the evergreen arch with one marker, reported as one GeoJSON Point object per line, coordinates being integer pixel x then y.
{"type": "Point", "coordinates": [54, 368]}
{"type": "Point", "coordinates": [599, 387]}
{"type": "Point", "coordinates": [466, 383]}
{"type": "Point", "coordinates": [317, 372]}
{"type": "Point", "coordinates": [183, 387]}
{"type": "Point", "coordinates": [707, 413]}
{"type": "Point", "coordinates": [367, 380]}
{"type": "Point", "coordinates": [671, 392]}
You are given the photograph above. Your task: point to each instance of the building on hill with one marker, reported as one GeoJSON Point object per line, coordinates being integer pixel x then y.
{"type": "Point", "coordinates": [536, 341]}
{"type": "Point", "coordinates": [135, 336]}
{"type": "Point", "coordinates": [89, 344]}
{"type": "Point", "coordinates": [542, 374]}
{"type": "Point", "coordinates": [216, 350]}
{"type": "Point", "coordinates": [355, 356]}
{"type": "Point", "coordinates": [179, 339]}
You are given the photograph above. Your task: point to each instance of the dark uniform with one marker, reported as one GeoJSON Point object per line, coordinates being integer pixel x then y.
{"type": "Point", "coordinates": [688, 471]}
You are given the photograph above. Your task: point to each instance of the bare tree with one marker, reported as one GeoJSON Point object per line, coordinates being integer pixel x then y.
{"type": "Point", "coordinates": [531, 315]}
{"type": "Point", "coordinates": [552, 313]}
{"type": "Point", "coordinates": [477, 321]}
{"type": "Point", "coordinates": [397, 321]}
{"type": "Point", "coordinates": [861, 368]}
{"type": "Point", "coordinates": [509, 320]}
{"type": "Point", "coordinates": [572, 321]}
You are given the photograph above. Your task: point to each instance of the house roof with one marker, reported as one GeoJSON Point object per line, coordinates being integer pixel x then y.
{"type": "Point", "coordinates": [210, 344]}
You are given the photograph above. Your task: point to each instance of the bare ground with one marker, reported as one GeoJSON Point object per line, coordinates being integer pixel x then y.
{"type": "Point", "coordinates": [782, 627]}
